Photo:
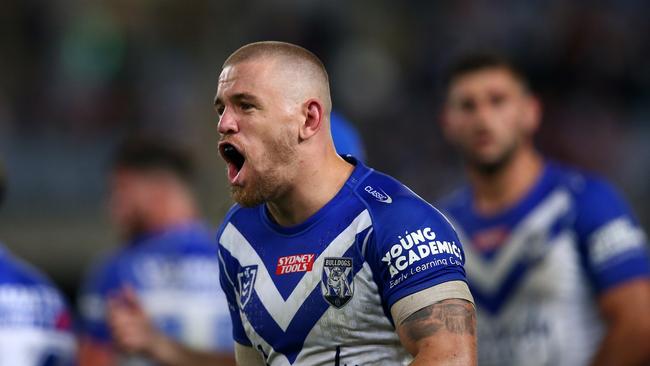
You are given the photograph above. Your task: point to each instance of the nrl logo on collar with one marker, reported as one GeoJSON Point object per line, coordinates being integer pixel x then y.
{"type": "Point", "coordinates": [337, 283]}
{"type": "Point", "coordinates": [246, 280]}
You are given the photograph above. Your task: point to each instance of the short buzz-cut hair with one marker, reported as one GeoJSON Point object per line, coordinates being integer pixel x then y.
{"type": "Point", "coordinates": [276, 48]}
{"type": "Point", "coordinates": [478, 61]}
{"type": "Point", "coordinates": [146, 154]}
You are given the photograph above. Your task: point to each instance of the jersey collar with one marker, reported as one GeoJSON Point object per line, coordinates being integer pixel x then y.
{"type": "Point", "coordinates": [359, 171]}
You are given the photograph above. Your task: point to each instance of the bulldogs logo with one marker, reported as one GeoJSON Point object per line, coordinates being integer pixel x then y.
{"type": "Point", "coordinates": [246, 278]}
{"type": "Point", "coordinates": [337, 283]}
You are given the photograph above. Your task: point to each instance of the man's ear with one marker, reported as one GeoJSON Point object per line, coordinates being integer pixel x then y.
{"type": "Point", "coordinates": [443, 121]}
{"type": "Point", "coordinates": [443, 118]}
{"type": "Point", "coordinates": [533, 114]}
{"type": "Point", "coordinates": [313, 114]}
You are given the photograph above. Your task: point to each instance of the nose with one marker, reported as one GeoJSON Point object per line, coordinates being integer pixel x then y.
{"type": "Point", "coordinates": [483, 114]}
{"type": "Point", "coordinates": [228, 123]}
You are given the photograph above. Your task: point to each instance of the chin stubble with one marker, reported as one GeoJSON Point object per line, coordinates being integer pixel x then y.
{"type": "Point", "coordinates": [263, 189]}
{"type": "Point", "coordinates": [489, 168]}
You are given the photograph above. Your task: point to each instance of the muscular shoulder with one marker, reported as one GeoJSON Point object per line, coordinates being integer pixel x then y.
{"type": "Point", "coordinates": [596, 201]}
{"type": "Point", "coordinates": [391, 203]}
{"type": "Point", "coordinates": [608, 233]}
{"type": "Point", "coordinates": [582, 185]}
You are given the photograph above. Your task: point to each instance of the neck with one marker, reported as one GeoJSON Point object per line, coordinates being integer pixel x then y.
{"type": "Point", "coordinates": [500, 190]}
{"type": "Point", "coordinates": [320, 180]}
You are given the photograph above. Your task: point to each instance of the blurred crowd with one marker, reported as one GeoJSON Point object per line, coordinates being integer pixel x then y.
{"type": "Point", "coordinates": [76, 77]}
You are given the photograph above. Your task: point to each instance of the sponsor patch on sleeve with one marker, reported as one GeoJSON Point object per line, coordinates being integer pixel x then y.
{"type": "Point", "coordinates": [419, 251]}
{"type": "Point", "coordinates": [615, 238]}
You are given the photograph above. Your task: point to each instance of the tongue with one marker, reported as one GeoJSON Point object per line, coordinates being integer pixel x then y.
{"type": "Point", "coordinates": [232, 172]}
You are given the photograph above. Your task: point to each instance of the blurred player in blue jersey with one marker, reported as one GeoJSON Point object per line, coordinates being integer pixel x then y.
{"type": "Point", "coordinates": [167, 271]}
{"type": "Point", "coordinates": [556, 261]}
{"type": "Point", "coordinates": [325, 261]}
{"type": "Point", "coordinates": [35, 323]}
{"type": "Point", "coordinates": [347, 139]}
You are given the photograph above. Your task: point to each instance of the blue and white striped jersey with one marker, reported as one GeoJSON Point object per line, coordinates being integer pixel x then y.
{"type": "Point", "coordinates": [320, 293]}
{"type": "Point", "coordinates": [175, 274]}
{"type": "Point", "coordinates": [536, 269]}
{"type": "Point", "coordinates": [35, 323]}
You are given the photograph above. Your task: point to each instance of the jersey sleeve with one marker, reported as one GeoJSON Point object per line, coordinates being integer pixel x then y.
{"type": "Point", "coordinates": [612, 244]}
{"type": "Point", "coordinates": [414, 248]}
{"type": "Point", "coordinates": [100, 282]}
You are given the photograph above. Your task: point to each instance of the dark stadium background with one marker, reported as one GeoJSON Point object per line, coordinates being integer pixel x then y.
{"type": "Point", "coordinates": [77, 76]}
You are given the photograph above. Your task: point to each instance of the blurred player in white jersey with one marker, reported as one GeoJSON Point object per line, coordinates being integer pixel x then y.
{"type": "Point", "coordinates": [35, 323]}
{"type": "Point", "coordinates": [556, 260]}
{"type": "Point", "coordinates": [157, 297]}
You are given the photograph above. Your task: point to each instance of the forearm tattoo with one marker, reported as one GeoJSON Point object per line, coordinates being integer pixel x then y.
{"type": "Point", "coordinates": [455, 315]}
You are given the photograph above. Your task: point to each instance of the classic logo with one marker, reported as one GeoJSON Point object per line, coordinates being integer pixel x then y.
{"type": "Point", "coordinates": [337, 283]}
{"type": "Point", "coordinates": [379, 194]}
{"type": "Point", "coordinates": [246, 278]}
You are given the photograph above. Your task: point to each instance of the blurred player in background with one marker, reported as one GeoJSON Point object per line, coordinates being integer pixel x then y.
{"type": "Point", "coordinates": [325, 261]}
{"type": "Point", "coordinates": [347, 139]}
{"type": "Point", "coordinates": [555, 259]}
{"type": "Point", "coordinates": [162, 285]}
{"type": "Point", "coordinates": [35, 323]}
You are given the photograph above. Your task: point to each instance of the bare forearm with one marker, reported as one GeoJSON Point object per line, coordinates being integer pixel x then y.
{"type": "Point", "coordinates": [455, 359]}
{"type": "Point", "coordinates": [441, 334]}
{"type": "Point", "coordinates": [625, 308]}
{"type": "Point", "coordinates": [623, 346]}
{"type": "Point", "coordinates": [460, 353]}
{"type": "Point", "coordinates": [95, 354]}
{"type": "Point", "coordinates": [171, 353]}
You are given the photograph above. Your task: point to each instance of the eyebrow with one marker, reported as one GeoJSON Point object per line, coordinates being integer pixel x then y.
{"type": "Point", "coordinates": [238, 97]}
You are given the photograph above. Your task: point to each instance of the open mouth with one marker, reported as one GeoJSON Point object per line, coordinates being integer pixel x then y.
{"type": "Point", "coordinates": [234, 159]}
